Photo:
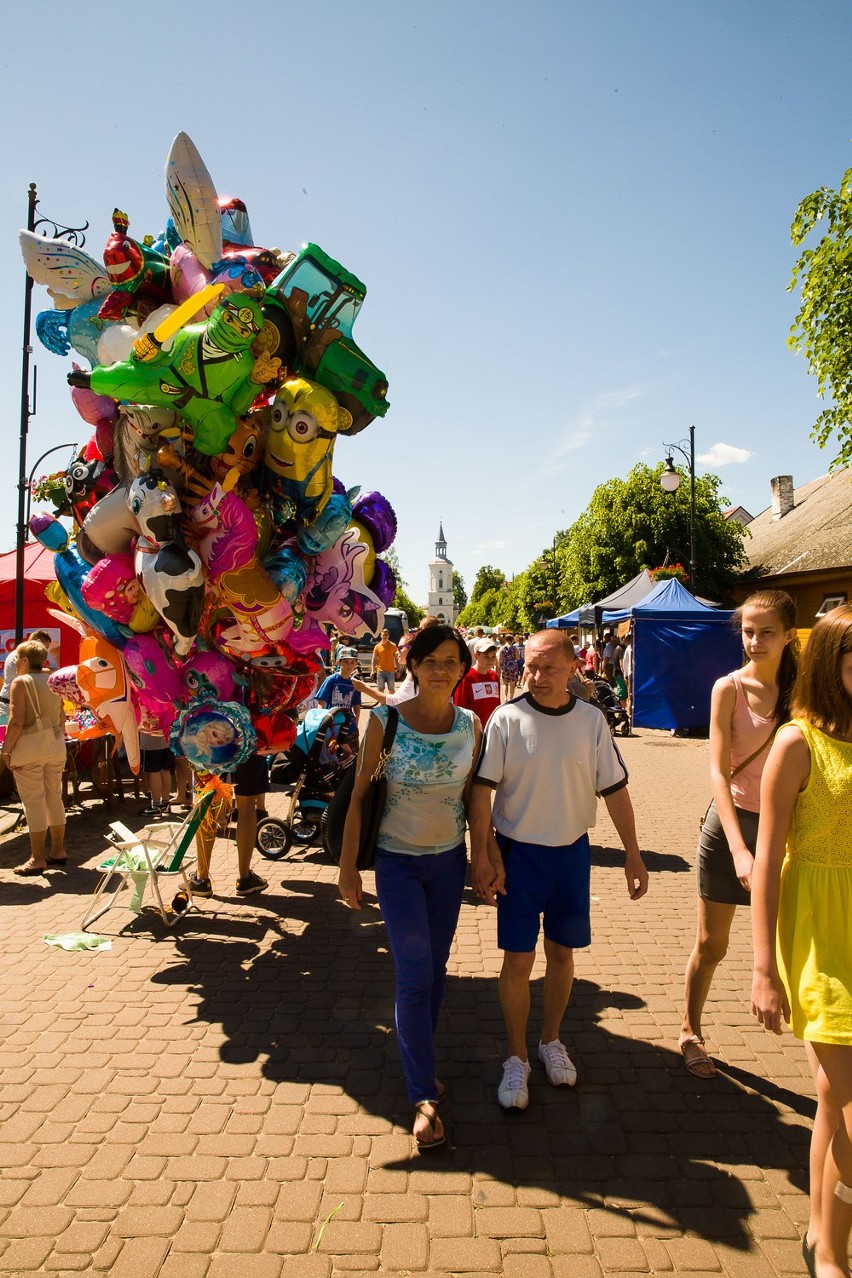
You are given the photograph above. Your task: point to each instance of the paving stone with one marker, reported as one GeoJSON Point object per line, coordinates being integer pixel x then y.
{"type": "Point", "coordinates": [466, 1255]}
{"type": "Point", "coordinates": [245, 1229]}
{"type": "Point", "coordinates": [526, 1266]}
{"type": "Point", "coordinates": [507, 1222]}
{"type": "Point", "coordinates": [405, 1247]}
{"type": "Point", "coordinates": [396, 1208]}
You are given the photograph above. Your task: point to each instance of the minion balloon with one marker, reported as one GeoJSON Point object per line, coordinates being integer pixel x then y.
{"type": "Point", "coordinates": [305, 421]}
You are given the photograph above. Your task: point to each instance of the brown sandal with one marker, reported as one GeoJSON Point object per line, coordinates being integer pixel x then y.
{"type": "Point", "coordinates": [695, 1058]}
{"type": "Point", "coordinates": [432, 1119]}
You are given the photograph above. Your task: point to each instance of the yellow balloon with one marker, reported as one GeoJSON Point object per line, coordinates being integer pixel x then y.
{"type": "Point", "coordinates": [365, 537]}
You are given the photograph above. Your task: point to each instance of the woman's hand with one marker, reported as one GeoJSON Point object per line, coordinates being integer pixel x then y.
{"type": "Point", "coordinates": [769, 1001]}
{"type": "Point", "coordinates": [743, 866]}
{"type": "Point", "coordinates": [350, 887]}
{"type": "Point", "coordinates": [488, 875]}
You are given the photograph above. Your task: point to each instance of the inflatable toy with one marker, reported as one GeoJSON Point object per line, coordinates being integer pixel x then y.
{"type": "Point", "coordinates": [305, 420]}
{"type": "Point", "coordinates": [209, 546]}
{"type": "Point", "coordinates": [103, 681]}
{"type": "Point", "coordinates": [215, 736]}
{"type": "Point", "coordinates": [172, 576]}
{"type": "Point", "coordinates": [155, 677]}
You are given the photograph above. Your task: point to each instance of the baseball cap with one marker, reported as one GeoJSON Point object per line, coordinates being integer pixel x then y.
{"type": "Point", "coordinates": [485, 645]}
{"type": "Point", "coordinates": [347, 654]}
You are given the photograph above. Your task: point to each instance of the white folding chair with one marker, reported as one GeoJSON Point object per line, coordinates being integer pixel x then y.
{"type": "Point", "coordinates": [155, 854]}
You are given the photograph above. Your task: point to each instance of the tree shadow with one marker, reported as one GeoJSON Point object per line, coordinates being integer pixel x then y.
{"type": "Point", "coordinates": [638, 1135]}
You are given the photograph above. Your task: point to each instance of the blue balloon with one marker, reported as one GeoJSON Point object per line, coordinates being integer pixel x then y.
{"type": "Point", "coordinates": [70, 570]}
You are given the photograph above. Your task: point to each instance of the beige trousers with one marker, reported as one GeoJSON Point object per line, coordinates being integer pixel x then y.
{"type": "Point", "coordinates": [39, 787]}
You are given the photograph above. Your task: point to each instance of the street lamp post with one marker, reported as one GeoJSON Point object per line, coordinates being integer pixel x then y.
{"type": "Point", "coordinates": [670, 481]}
{"type": "Point", "coordinates": [548, 559]}
{"type": "Point", "coordinates": [74, 235]}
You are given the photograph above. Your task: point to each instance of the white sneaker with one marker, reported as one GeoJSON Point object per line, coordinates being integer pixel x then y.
{"type": "Point", "coordinates": [513, 1092]}
{"type": "Point", "coordinates": [558, 1064]}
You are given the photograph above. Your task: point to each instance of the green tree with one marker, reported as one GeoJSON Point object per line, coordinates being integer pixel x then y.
{"type": "Point", "coordinates": [402, 599]}
{"type": "Point", "coordinates": [459, 592]}
{"type": "Point", "coordinates": [487, 578]}
{"type": "Point", "coordinates": [632, 523]}
{"type": "Point", "coordinates": [822, 330]}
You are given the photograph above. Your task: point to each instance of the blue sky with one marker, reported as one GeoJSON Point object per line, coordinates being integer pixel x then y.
{"type": "Point", "coordinates": [572, 220]}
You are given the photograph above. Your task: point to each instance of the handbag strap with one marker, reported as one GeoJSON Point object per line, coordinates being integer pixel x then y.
{"type": "Point", "coordinates": [34, 705]}
{"type": "Point", "coordinates": [387, 743]}
{"type": "Point", "coordinates": [760, 749]}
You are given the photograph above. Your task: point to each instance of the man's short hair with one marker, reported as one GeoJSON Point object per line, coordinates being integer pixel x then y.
{"type": "Point", "coordinates": [558, 638]}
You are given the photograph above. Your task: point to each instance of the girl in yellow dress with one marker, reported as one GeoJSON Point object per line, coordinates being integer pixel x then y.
{"type": "Point", "coordinates": [802, 918]}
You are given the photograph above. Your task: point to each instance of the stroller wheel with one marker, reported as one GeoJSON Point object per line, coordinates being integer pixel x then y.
{"type": "Point", "coordinates": [274, 838]}
{"type": "Point", "coordinates": [625, 728]}
{"type": "Point", "coordinates": [325, 837]}
{"type": "Point", "coordinates": [304, 831]}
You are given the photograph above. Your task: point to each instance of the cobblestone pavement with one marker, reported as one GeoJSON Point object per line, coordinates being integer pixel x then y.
{"type": "Point", "coordinates": [225, 1100]}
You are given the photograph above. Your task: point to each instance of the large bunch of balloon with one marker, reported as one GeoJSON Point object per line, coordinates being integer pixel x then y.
{"type": "Point", "coordinates": [212, 545]}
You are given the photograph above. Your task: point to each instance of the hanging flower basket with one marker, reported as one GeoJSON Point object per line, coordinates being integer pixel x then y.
{"type": "Point", "coordinates": [50, 488]}
{"type": "Point", "coordinates": [667, 571]}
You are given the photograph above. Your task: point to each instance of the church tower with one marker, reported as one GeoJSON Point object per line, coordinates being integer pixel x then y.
{"type": "Point", "coordinates": [440, 602]}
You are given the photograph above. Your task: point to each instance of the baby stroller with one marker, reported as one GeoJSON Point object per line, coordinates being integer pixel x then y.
{"type": "Point", "coordinates": [616, 716]}
{"type": "Point", "coordinates": [312, 767]}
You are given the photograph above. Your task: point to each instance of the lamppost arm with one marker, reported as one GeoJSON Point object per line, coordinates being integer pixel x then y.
{"type": "Point", "coordinates": [689, 457]}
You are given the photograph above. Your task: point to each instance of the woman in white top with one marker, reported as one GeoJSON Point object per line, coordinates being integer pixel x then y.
{"type": "Point", "coordinates": [421, 860]}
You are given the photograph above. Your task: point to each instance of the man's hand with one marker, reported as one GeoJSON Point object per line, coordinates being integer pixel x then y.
{"type": "Point", "coordinates": [636, 875]}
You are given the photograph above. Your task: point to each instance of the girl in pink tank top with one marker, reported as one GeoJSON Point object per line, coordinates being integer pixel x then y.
{"type": "Point", "coordinates": [745, 709]}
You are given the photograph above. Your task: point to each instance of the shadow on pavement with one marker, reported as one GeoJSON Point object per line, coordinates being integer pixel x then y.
{"type": "Point", "coordinates": [639, 1134]}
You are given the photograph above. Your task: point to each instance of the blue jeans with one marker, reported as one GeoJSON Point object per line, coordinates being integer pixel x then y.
{"type": "Point", "coordinates": [420, 898]}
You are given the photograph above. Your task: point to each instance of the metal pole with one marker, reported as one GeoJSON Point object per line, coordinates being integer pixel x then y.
{"type": "Point", "coordinates": [692, 576]}
{"type": "Point", "coordinates": [25, 425]}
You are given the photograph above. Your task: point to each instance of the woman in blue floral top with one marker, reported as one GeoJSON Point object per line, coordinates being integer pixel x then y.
{"type": "Point", "coordinates": [421, 861]}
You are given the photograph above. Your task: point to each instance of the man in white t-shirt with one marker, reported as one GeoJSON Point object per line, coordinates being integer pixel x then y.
{"type": "Point", "coordinates": [546, 757]}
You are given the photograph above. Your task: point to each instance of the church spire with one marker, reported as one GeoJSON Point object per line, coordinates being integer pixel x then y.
{"type": "Point", "coordinates": [441, 542]}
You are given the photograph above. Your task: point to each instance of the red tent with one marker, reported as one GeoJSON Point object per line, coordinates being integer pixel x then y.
{"type": "Point", "coordinates": [38, 573]}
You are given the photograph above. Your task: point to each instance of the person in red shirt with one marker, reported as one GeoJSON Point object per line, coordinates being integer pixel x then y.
{"type": "Point", "coordinates": [479, 690]}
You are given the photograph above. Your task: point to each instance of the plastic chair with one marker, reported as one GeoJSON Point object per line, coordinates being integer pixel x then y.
{"type": "Point", "coordinates": [155, 853]}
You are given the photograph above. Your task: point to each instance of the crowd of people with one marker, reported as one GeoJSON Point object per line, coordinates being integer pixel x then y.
{"type": "Point", "coordinates": [499, 746]}
{"type": "Point", "coordinates": [776, 835]}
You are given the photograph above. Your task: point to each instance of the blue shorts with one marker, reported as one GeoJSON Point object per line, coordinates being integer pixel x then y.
{"type": "Point", "coordinates": [553, 882]}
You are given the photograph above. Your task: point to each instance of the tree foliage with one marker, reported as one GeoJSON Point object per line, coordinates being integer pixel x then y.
{"type": "Point", "coordinates": [822, 330]}
{"type": "Point", "coordinates": [459, 592]}
{"type": "Point", "coordinates": [487, 578]}
{"type": "Point", "coordinates": [402, 599]}
{"type": "Point", "coordinates": [632, 523]}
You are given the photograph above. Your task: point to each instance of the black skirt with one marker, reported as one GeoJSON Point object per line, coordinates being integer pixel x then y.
{"type": "Point", "coordinates": [717, 878]}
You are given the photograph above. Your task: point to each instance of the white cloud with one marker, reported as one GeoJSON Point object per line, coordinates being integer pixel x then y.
{"type": "Point", "coordinates": [492, 545]}
{"type": "Point", "coordinates": [618, 398]}
{"type": "Point", "coordinates": [724, 455]}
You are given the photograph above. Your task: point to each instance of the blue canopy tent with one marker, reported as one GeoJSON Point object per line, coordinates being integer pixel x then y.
{"type": "Point", "coordinates": [680, 648]}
